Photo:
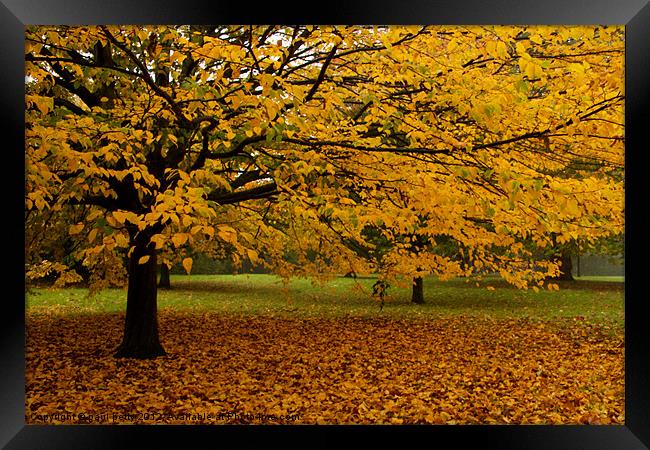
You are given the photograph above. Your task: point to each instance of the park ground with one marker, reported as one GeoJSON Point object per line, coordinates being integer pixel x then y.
{"type": "Point", "coordinates": [250, 349]}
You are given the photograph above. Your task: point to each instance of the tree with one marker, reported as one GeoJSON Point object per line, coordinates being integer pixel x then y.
{"type": "Point", "coordinates": [254, 137]}
{"type": "Point", "coordinates": [164, 280]}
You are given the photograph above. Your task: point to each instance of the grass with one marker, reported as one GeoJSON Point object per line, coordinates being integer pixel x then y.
{"type": "Point", "coordinates": [249, 343]}
{"type": "Point", "coordinates": [615, 278]}
{"type": "Point", "coordinates": [593, 299]}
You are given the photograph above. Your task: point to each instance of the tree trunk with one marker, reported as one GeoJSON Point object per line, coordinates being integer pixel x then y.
{"type": "Point", "coordinates": [418, 291]}
{"type": "Point", "coordinates": [141, 326]}
{"type": "Point", "coordinates": [566, 267]}
{"type": "Point", "coordinates": [164, 282]}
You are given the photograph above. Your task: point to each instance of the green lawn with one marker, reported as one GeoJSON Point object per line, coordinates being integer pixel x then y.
{"type": "Point", "coordinates": [597, 299]}
{"type": "Point", "coordinates": [614, 278]}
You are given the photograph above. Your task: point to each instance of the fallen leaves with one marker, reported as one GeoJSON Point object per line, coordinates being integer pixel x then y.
{"type": "Point", "coordinates": [263, 369]}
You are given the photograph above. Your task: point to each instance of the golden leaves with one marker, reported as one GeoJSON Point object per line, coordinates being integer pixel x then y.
{"type": "Point", "coordinates": [92, 235]}
{"type": "Point", "coordinates": [177, 57]}
{"type": "Point", "coordinates": [187, 265]}
{"type": "Point", "coordinates": [45, 268]}
{"type": "Point", "coordinates": [179, 239]}
{"type": "Point", "coordinates": [42, 103]}
{"type": "Point", "coordinates": [76, 229]}
{"type": "Point", "coordinates": [227, 234]}
{"type": "Point", "coordinates": [253, 256]}
{"type": "Point", "coordinates": [332, 371]}
{"type": "Point", "coordinates": [158, 240]}
{"type": "Point", "coordinates": [143, 259]}
{"type": "Point", "coordinates": [120, 217]}
{"type": "Point", "coordinates": [532, 70]}
{"type": "Point", "coordinates": [473, 94]}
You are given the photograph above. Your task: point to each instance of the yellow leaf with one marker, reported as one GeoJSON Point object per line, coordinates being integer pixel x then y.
{"type": "Point", "coordinates": [577, 68]}
{"type": "Point", "coordinates": [76, 229]}
{"type": "Point", "coordinates": [502, 49]}
{"type": "Point", "coordinates": [119, 216]}
{"type": "Point", "coordinates": [93, 215]}
{"type": "Point", "coordinates": [44, 104]}
{"type": "Point", "coordinates": [491, 48]}
{"type": "Point", "coordinates": [521, 49]}
{"type": "Point", "coordinates": [209, 231]}
{"type": "Point", "coordinates": [179, 239]}
{"type": "Point", "coordinates": [187, 264]}
{"type": "Point", "coordinates": [121, 240]}
{"type": "Point", "coordinates": [252, 255]}
{"type": "Point", "coordinates": [158, 240]}
{"type": "Point", "coordinates": [143, 259]}
{"type": "Point", "coordinates": [227, 237]}
{"type": "Point", "coordinates": [572, 207]}
{"type": "Point", "coordinates": [227, 233]}
{"type": "Point", "coordinates": [177, 56]}
{"type": "Point", "coordinates": [531, 70]}
{"type": "Point", "coordinates": [270, 110]}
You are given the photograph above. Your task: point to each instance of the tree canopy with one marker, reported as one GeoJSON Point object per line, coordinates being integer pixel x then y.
{"type": "Point", "coordinates": [317, 141]}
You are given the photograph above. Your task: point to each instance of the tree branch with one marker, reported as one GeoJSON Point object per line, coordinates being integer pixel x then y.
{"type": "Point", "coordinates": [146, 76]}
{"type": "Point", "coordinates": [364, 148]}
{"type": "Point", "coordinates": [259, 192]}
{"type": "Point", "coordinates": [321, 75]}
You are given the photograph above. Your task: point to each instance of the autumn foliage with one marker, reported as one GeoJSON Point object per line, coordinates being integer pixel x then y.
{"type": "Point", "coordinates": [355, 370]}
{"type": "Point", "coordinates": [349, 149]}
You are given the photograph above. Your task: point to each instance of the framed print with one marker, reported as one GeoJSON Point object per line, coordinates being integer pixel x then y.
{"type": "Point", "coordinates": [405, 220]}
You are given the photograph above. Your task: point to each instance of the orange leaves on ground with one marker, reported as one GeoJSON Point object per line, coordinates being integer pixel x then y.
{"type": "Point", "coordinates": [239, 369]}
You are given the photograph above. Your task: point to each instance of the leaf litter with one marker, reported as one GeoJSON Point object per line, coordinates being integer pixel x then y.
{"type": "Point", "coordinates": [239, 369]}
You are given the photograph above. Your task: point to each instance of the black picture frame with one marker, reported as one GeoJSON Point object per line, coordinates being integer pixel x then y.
{"type": "Point", "coordinates": [634, 14]}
